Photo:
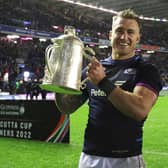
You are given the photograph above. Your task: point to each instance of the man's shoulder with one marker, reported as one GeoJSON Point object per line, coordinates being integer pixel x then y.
{"type": "Point", "coordinates": [147, 65]}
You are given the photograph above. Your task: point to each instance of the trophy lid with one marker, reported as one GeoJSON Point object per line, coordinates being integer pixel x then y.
{"type": "Point", "coordinates": [69, 34]}
{"type": "Point", "coordinates": [70, 30]}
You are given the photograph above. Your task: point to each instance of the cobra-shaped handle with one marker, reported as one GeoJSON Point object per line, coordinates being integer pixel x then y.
{"type": "Point", "coordinates": [88, 53]}
{"type": "Point", "coordinates": [48, 53]}
{"type": "Point", "coordinates": [57, 45]}
{"type": "Point", "coordinates": [88, 56]}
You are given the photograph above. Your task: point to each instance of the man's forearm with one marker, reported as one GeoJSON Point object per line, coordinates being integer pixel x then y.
{"type": "Point", "coordinates": [68, 103]}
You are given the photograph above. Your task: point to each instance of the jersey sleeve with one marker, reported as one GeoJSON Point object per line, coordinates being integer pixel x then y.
{"type": "Point", "coordinates": [149, 77]}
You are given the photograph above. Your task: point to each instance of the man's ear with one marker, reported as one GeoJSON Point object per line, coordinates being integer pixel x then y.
{"type": "Point", "coordinates": [110, 34]}
{"type": "Point", "coordinates": [138, 38]}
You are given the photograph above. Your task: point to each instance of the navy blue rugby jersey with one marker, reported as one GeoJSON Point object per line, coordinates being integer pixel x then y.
{"type": "Point", "coordinates": [109, 133]}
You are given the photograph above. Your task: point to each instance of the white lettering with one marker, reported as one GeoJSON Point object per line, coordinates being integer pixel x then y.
{"type": "Point", "coordinates": [7, 132]}
{"type": "Point", "coordinates": [98, 92]}
{"type": "Point", "coordinates": [23, 134]}
{"type": "Point", "coordinates": [8, 124]}
{"type": "Point", "coordinates": [26, 125]}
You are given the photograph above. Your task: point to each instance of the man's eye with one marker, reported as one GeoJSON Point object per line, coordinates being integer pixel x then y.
{"type": "Point", "coordinates": [119, 31]}
{"type": "Point", "coordinates": [130, 32]}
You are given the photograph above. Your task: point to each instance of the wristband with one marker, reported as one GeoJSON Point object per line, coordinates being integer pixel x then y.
{"type": "Point", "coordinates": [106, 86]}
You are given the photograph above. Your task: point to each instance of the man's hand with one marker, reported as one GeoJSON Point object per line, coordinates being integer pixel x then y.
{"type": "Point", "coordinates": [95, 71]}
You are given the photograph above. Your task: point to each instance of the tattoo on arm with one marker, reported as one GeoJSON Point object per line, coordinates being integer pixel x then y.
{"type": "Point", "coordinates": [68, 103]}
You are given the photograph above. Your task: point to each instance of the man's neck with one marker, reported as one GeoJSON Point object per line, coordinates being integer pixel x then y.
{"type": "Point", "coordinates": [116, 56]}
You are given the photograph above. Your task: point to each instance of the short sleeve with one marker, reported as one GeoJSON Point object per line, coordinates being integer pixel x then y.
{"type": "Point", "coordinates": [149, 77]}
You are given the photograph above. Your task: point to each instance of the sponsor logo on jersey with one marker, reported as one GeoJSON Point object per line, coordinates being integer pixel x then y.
{"type": "Point", "coordinates": [97, 92]}
{"type": "Point", "coordinates": [130, 71]}
{"type": "Point", "coordinates": [119, 83]}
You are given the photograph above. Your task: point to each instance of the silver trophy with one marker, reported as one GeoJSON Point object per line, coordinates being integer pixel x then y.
{"type": "Point", "coordinates": [64, 59]}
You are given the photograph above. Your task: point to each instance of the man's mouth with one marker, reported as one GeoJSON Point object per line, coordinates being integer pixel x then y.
{"type": "Point", "coordinates": [123, 44]}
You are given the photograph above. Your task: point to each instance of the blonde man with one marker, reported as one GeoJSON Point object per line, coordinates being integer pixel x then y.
{"type": "Point", "coordinates": [121, 90]}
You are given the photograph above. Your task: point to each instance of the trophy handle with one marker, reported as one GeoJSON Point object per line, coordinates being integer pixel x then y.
{"type": "Point", "coordinates": [88, 56]}
{"type": "Point", "coordinates": [48, 52]}
{"type": "Point", "coordinates": [58, 43]}
{"type": "Point", "coordinates": [87, 52]}
{"type": "Point", "coordinates": [83, 83]}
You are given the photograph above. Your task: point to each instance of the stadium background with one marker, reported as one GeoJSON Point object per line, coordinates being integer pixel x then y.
{"type": "Point", "coordinates": [33, 23]}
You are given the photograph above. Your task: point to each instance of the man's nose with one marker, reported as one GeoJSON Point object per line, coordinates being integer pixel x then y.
{"type": "Point", "coordinates": [124, 35]}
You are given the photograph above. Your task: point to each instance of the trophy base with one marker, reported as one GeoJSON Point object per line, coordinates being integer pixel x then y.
{"type": "Point", "coordinates": [60, 89]}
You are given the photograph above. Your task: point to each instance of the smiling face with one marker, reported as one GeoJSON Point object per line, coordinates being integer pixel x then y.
{"type": "Point", "coordinates": [124, 36]}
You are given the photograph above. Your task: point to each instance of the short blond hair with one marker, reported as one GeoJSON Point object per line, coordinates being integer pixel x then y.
{"type": "Point", "coordinates": [128, 14]}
